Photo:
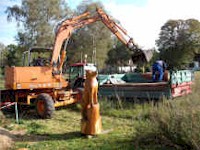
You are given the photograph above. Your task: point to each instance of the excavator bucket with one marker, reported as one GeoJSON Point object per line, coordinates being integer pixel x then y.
{"type": "Point", "coordinates": [141, 56]}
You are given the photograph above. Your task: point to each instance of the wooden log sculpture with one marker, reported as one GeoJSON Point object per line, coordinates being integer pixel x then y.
{"type": "Point", "coordinates": [91, 120]}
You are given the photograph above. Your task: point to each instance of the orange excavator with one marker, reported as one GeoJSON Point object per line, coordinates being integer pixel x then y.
{"type": "Point", "coordinates": [44, 86]}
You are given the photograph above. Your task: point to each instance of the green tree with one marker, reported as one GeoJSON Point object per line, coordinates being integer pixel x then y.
{"type": "Point", "coordinates": [119, 55]}
{"type": "Point", "coordinates": [94, 40]}
{"type": "Point", "coordinates": [2, 54]}
{"type": "Point", "coordinates": [2, 58]}
{"type": "Point", "coordinates": [179, 41]}
{"type": "Point", "coordinates": [13, 55]}
{"type": "Point", "coordinates": [37, 18]}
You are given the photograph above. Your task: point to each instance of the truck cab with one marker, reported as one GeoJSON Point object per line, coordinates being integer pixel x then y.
{"type": "Point", "coordinates": [77, 73]}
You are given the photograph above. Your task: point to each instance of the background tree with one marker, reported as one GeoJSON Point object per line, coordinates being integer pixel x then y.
{"type": "Point", "coordinates": [2, 58]}
{"type": "Point", "coordinates": [13, 55]}
{"type": "Point", "coordinates": [2, 54]}
{"type": "Point", "coordinates": [179, 41]}
{"type": "Point", "coordinates": [37, 18]}
{"type": "Point", "coordinates": [94, 40]}
{"type": "Point", "coordinates": [118, 55]}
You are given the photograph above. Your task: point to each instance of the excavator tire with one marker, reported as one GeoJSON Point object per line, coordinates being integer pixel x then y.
{"type": "Point", "coordinates": [44, 106]}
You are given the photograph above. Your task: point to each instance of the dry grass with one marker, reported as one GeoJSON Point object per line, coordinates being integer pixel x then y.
{"type": "Point", "coordinates": [176, 122]}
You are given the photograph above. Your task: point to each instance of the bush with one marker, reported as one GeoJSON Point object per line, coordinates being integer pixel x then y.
{"type": "Point", "coordinates": [179, 122]}
{"type": "Point", "coordinates": [175, 122]}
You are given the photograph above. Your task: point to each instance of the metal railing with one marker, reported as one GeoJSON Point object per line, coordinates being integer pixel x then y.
{"type": "Point", "coordinates": [16, 109]}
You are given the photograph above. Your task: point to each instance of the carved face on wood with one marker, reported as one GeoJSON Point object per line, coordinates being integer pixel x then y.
{"type": "Point", "coordinates": [90, 74]}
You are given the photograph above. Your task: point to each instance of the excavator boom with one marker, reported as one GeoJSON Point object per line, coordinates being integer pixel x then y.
{"type": "Point", "coordinates": [65, 29]}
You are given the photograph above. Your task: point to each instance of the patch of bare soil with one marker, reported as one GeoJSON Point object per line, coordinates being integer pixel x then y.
{"type": "Point", "coordinates": [6, 139]}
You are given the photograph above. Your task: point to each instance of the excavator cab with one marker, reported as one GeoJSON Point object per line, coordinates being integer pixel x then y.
{"type": "Point", "coordinates": [37, 56]}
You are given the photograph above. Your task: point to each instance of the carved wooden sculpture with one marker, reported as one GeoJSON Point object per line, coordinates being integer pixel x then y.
{"type": "Point", "coordinates": [91, 119]}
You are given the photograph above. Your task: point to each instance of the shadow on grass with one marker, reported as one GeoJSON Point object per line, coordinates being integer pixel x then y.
{"type": "Point", "coordinates": [19, 137]}
{"type": "Point", "coordinates": [29, 112]}
{"type": "Point", "coordinates": [24, 112]}
{"type": "Point", "coordinates": [47, 137]}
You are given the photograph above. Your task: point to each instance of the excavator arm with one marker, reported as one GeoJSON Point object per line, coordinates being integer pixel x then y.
{"type": "Point", "coordinates": [66, 27]}
{"type": "Point", "coordinates": [139, 55]}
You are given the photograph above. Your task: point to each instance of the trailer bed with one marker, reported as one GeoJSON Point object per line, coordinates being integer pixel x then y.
{"type": "Point", "coordinates": [136, 90]}
{"type": "Point", "coordinates": [134, 85]}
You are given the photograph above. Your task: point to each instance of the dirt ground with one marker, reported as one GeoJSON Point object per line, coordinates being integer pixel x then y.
{"type": "Point", "coordinates": [6, 139]}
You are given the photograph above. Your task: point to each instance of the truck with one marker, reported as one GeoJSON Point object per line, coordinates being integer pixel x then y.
{"type": "Point", "coordinates": [136, 85]}
{"type": "Point", "coordinates": [140, 85]}
{"type": "Point", "coordinates": [42, 84]}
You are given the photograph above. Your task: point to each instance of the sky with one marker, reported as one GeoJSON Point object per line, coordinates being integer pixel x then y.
{"type": "Point", "coordinates": [141, 18]}
{"type": "Point", "coordinates": [7, 30]}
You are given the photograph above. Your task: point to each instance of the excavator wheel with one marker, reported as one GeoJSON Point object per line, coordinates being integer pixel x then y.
{"type": "Point", "coordinates": [44, 106]}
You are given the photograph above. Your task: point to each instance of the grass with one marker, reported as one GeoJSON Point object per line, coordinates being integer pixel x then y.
{"type": "Point", "coordinates": [63, 130]}
{"type": "Point", "coordinates": [170, 124]}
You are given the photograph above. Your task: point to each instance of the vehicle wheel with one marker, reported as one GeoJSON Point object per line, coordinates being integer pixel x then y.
{"type": "Point", "coordinates": [44, 106]}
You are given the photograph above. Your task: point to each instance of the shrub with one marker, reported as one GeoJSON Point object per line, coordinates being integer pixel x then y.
{"type": "Point", "coordinates": [179, 122]}
{"type": "Point", "coordinates": [175, 122]}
